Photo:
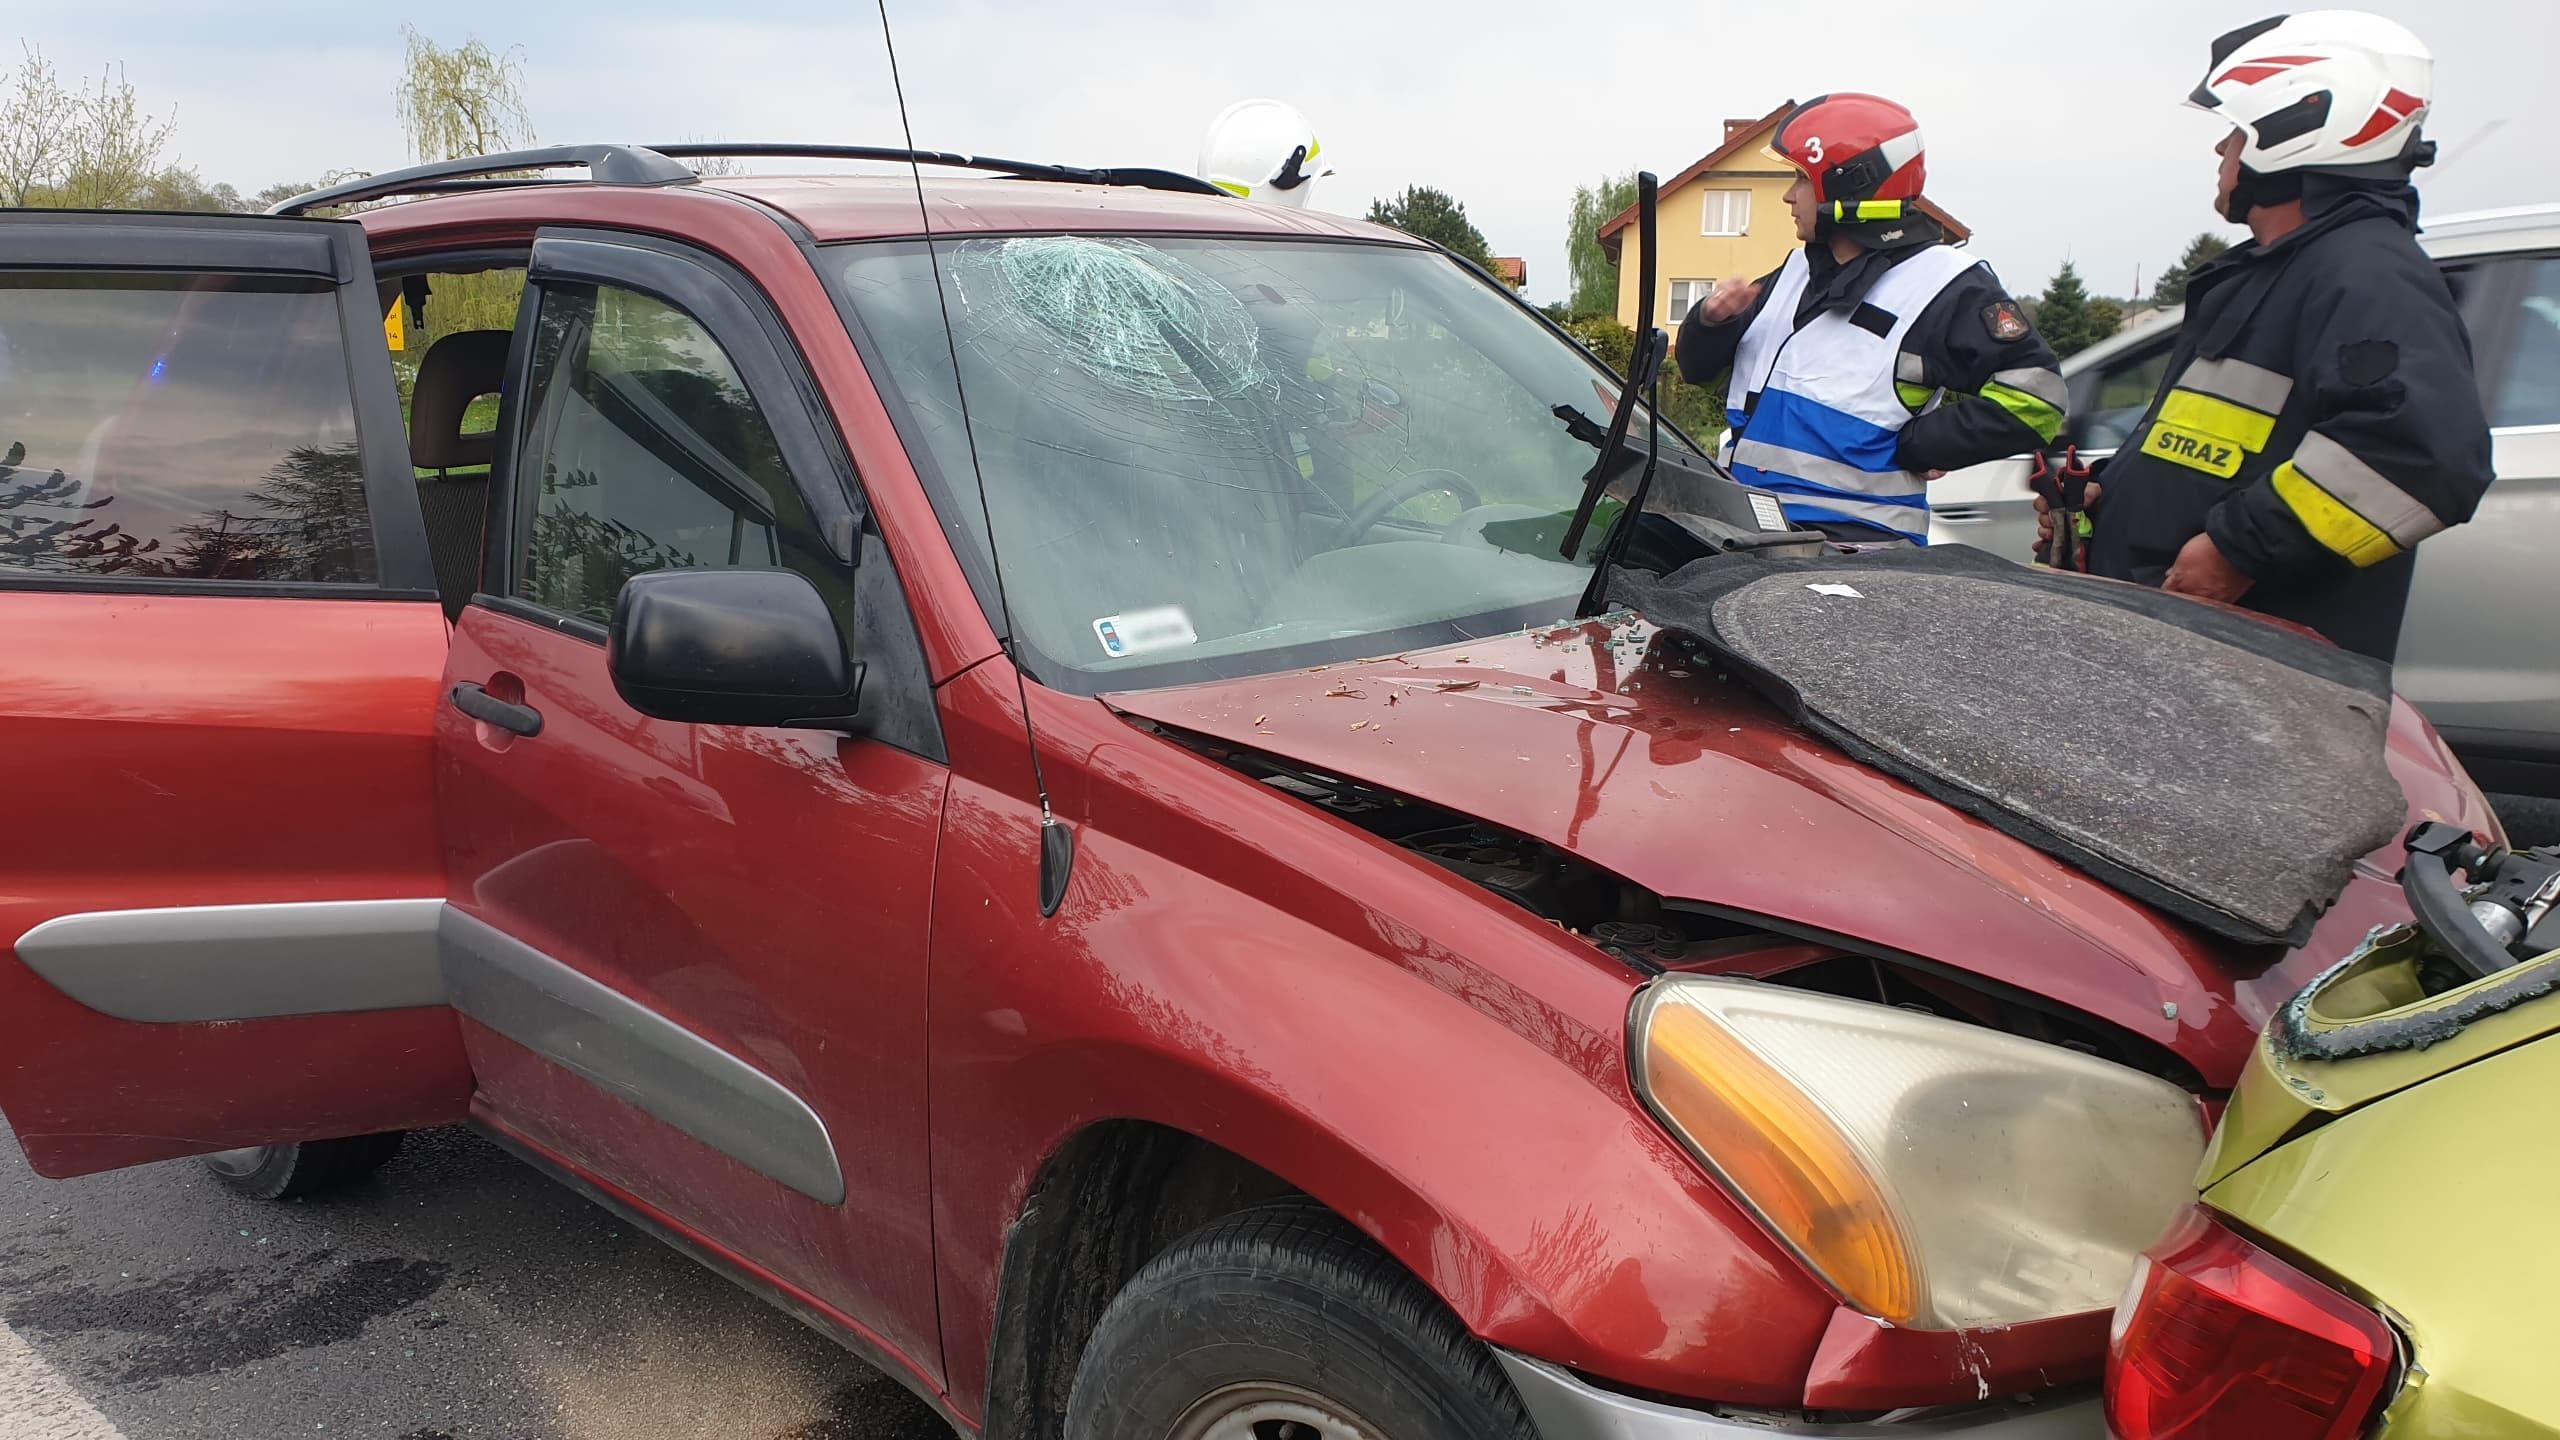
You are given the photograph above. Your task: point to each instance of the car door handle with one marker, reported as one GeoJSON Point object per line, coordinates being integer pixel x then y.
{"type": "Point", "coordinates": [1962, 514]}
{"type": "Point", "coordinates": [479, 704]}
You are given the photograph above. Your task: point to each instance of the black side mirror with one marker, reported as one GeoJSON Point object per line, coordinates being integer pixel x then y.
{"type": "Point", "coordinates": [731, 647]}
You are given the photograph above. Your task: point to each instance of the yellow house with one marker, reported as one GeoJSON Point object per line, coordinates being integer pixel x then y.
{"type": "Point", "coordinates": [1725, 215]}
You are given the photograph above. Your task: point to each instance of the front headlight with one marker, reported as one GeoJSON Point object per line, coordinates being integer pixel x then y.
{"type": "Point", "coordinates": [1936, 1174]}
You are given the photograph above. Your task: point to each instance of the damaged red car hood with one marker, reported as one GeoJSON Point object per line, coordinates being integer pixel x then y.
{"type": "Point", "coordinates": [1596, 740]}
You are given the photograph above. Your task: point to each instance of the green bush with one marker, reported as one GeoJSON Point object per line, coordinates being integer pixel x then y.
{"type": "Point", "coordinates": [1696, 409]}
{"type": "Point", "coordinates": [1614, 343]}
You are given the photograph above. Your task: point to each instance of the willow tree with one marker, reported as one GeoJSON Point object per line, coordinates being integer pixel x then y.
{"type": "Point", "coordinates": [461, 102]}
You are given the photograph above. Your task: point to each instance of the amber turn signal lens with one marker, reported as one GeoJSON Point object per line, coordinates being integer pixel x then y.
{"type": "Point", "coordinates": [1937, 1174]}
{"type": "Point", "coordinates": [1783, 1156]}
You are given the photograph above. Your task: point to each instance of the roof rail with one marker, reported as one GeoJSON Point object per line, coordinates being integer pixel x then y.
{"type": "Point", "coordinates": [662, 165]}
{"type": "Point", "coordinates": [605, 164]}
{"type": "Point", "coordinates": [1145, 177]}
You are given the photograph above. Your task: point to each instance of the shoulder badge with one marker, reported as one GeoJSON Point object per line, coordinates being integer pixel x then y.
{"type": "Point", "coordinates": [2005, 321]}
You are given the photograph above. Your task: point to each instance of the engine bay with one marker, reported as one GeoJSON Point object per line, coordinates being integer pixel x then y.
{"type": "Point", "coordinates": [1654, 935]}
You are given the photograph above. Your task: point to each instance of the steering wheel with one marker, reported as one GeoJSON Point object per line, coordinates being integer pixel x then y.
{"type": "Point", "coordinates": [1411, 484]}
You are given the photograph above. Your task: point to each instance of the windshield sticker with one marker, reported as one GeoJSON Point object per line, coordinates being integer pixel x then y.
{"type": "Point", "coordinates": [1764, 508]}
{"type": "Point", "coordinates": [1165, 627]}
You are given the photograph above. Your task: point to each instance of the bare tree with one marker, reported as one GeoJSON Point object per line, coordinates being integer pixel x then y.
{"type": "Point", "coordinates": [89, 149]}
{"type": "Point", "coordinates": [37, 118]}
{"type": "Point", "coordinates": [465, 101]}
{"type": "Point", "coordinates": [115, 149]}
{"type": "Point", "coordinates": [713, 165]}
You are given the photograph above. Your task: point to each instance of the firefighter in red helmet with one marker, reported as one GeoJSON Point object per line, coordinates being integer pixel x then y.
{"type": "Point", "coordinates": [1878, 356]}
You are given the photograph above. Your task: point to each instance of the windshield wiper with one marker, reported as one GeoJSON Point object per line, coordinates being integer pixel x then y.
{"type": "Point", "coordinates": [1644, 373]}
{"type": "Point", "coordinates": [1641, 361]}
{"type": "Point", "coordinates": [1582, 427]}
{"type": "Point", "coordinates": [1613, 545]}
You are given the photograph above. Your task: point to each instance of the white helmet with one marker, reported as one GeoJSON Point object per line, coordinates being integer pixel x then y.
{"type": "Point", "coordinates": [1262, 150]}
{"type": "Point", "coordinates": [2327, 89]}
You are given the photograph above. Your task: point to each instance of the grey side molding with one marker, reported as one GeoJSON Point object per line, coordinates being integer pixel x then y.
{"type": "Point", "coordinates": [197, 964]}
{"type": "Point", "coordinates": [1563, 1407]}
{"type": "Point", "coordinates": [638, 1055]}
{"type": "Point", "coordinates": [243, 962]}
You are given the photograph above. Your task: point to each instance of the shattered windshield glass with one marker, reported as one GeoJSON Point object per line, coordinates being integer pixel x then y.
{"type": "Point", "coordinates": [1219, 456]}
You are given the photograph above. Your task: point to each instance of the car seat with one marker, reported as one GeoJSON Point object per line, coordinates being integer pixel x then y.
{"type": "Point", "coordinates": [456, 370]}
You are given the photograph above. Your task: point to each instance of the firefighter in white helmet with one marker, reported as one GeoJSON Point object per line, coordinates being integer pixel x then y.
{"type": "Point", "coordinates": [2318, 418]}
{"type": "Point", "coordinates": [1262, 150]}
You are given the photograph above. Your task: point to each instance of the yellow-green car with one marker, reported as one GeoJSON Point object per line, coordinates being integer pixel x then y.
{"type": "Point", "coordinates": [2377, 1251]}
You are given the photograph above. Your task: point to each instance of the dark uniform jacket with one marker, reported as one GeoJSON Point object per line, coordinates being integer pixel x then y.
{"type": "Point", "coordinates": [2318, 419]}
{"type": "Point", "coordinates": [2003, 388]}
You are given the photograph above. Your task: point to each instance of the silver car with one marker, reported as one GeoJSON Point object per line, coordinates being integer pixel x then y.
{"type": "Point", "coordinates": [2476, 653]}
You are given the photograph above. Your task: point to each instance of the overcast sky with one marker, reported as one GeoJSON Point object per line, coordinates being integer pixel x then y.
{"type": "Point", "coordinates": [2054, 129]}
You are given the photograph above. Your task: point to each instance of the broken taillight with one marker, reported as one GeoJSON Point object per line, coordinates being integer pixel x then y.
{"type": "Point", "coordinates": [2217, 1337]}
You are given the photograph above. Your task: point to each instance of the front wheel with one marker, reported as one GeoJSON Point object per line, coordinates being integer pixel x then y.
{"type": "Point", "coordinates": [312, 1167]}
{"type": "Point", "coordinates": [1283, 1323]}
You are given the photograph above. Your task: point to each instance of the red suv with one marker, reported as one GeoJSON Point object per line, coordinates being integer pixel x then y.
{"type": "Point", "coordinates": [1290, 986]}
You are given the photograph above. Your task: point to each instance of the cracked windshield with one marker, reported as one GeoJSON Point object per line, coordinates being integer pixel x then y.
{"type": "Point", "coordinates": [1223, 456]}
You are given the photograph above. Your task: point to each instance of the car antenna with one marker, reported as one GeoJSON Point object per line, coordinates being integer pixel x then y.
{"type": "Point", "coordinates": [1057, 841]}
{"type": "Point", "coordinates": [1642, 363]}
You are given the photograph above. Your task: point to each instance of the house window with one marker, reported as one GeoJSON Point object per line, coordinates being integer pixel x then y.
{"type": "Point", "coordinates": [1726, 212]}
{"type": "Point", "coordinates": [1684, 295]}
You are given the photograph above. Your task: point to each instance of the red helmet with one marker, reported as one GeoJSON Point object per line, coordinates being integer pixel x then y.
{"type": "Point", "coordinates": [1854, 148]}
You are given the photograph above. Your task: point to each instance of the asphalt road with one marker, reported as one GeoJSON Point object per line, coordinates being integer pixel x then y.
{"type": "Point", "coordinates": [454, 1296]}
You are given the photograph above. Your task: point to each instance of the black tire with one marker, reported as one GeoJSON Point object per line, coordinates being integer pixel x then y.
{"type": "Point", "coordinates": [2530, 820]}
{"type": "Point", "coordinates": [1286, 1308]}
{"type": "Point", "coordinates": [313, 1167]}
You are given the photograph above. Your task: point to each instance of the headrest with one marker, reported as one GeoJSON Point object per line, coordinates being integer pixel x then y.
{"type": "Point", "coordinates": [456, 370]}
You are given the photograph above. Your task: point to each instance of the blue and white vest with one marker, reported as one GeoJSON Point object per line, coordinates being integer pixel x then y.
{"type": "Point", "coordinates": [1814, 412]}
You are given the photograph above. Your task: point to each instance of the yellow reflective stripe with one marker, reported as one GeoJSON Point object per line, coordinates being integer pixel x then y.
{"type": "Point", "coordinates": [2044, 384]}
{"type": "Point", "coordinates": [2189, 410]}
{"type": "Point", "coordinates": [2330, 520]}
{"type": "Point", "coordinates": [2033, 411]}
{"type": "Point", "coordinates": [2209, 453]}
{"type": "Point", "coordinates": [2255, 386]}
{"type": "Point", "coordinates": [1865, 210]}
{"type": "Point", "coordinates": [1916, 397]}
{"type": "Point", "coordinates": [2367, 491]}
{"type": "Point", "coordinates": [1232, 188]}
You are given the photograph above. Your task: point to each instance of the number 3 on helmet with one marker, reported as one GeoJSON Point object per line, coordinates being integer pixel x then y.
{"type": "Point", "coordinates": [1853, 148]}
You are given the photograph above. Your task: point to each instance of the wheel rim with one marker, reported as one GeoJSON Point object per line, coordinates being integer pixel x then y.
{"type": "Point", "coordinates": [1271, 1412]}
{"type": "Point", "coordinates": [244, 1161]}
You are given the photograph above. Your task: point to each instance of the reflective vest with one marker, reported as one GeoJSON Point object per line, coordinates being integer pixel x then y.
{"type": "Point", "coordinates": [1814, 412]}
